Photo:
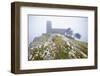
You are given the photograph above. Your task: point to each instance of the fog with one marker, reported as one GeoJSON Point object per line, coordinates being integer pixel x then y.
{"type": "Point", "coordinates": [37, 25]}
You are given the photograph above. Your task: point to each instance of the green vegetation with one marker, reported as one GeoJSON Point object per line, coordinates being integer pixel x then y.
{"type": "Point", "coordinates": [56, 46]}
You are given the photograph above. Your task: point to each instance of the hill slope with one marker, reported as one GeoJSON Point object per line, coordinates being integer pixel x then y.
{"type": "Point", "coordinates": [56, 46]}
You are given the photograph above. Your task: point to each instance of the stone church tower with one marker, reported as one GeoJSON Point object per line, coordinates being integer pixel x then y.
{"type": "Point", "coordinates": [49, 26]}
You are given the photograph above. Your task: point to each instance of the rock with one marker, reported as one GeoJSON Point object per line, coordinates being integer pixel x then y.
{"type": "Point", "coordinates": [57, 46]}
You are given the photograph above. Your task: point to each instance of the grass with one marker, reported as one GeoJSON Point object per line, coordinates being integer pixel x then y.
{"type": "Point", "coordinates": [61, 49]}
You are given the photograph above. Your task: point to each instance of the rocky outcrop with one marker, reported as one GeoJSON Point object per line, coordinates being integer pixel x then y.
{"type": "Point", "coordinates": [57, 46]}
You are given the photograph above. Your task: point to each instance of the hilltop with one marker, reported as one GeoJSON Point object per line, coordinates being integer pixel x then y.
{"type": "Point", "coordinates": [57, 46]}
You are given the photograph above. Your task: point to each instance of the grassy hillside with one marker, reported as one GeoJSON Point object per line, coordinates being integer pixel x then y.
{"type": "Point", "coordinates": [56, 46]}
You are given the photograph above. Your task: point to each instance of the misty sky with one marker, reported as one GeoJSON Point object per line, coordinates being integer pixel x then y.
{"type": "Point", "coordinates": [37, 25]}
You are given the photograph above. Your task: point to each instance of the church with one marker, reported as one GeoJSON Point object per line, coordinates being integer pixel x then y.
{"type": "Point", "coordinates": [54, 30]}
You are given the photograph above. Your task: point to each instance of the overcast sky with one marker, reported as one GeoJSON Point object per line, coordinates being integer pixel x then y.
{"type": "Point", "coordinates": [37, 25]}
